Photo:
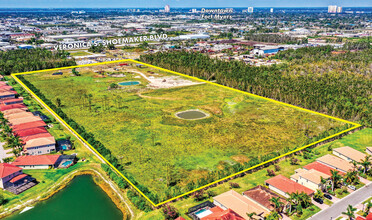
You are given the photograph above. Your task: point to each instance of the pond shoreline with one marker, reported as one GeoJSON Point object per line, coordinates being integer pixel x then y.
{"type": "Point", "coordinates": [65, 182]}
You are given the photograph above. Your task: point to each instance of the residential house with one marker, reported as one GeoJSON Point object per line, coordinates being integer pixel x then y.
{"type": "Point", "coordinates": [14, 180]}
{"type": "Point", "coordinates": [13, 111]}
{"type": "Point", "coordinates": [262, 195]}
{"type": "Point", "coordinates": [368, 217]}
{"type": "Point", "coordinates": [8, 172]}
{"type": "Point", "coordinates": [36, 136]}
{"type": "Point", "coordinates": [31, 131]}
{"type": "Point", "coordinates": [309, 178]}
{"type": "Point", "coordinates": [14, 106]}
{"type": "Point", "coordinates": [38, 161]}
{"type": "Point", "coordinates": [349, 154]}
{"type": "Point", "coordinates": [12, 101]}
{"type": "Point", "coordinates": [220, 214]}
{"type": "Point", "coordinates": [285, 186]}
{"type": "Point", "coordinates": [23, 114]}
{"type": "Point", "coordinates": [7, 88]}
{"type": "Point", "coordinates": [7, 95]}
{"type": "Point", "coordinates": [335, 163]}
{"type": "Point", "coordinates": [40, 146]}
{"type": "Point", "coordinates": [18, 121]}
{"type": "Point", "coordinates": [24, 126]}
{"type": "Point", "coordinates": [239, 204]}
{"type": "Point", "coordinates": [320, 167]}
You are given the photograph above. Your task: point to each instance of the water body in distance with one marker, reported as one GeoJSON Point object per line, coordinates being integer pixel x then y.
{"type": "Point", "coordinates": [81, 199]}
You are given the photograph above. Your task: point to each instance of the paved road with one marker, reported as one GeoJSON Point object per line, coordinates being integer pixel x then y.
{"type": "Point", "coordinates": [337, 208]}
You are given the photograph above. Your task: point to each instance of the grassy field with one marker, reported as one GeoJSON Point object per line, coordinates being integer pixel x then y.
{"type": "Point", "coordinates": [163, 152]}
{"type": "Point", "coordinates": [361, 138]}
{"type": "Point", "coordinates": [80, 53]}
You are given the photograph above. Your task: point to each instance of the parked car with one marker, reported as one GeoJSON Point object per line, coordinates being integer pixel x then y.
{"type": "Point", "coordinates": [320, 201]}
{"type": "Point", "coordinates": [328, 196]}
{"type": "Point", "coordinates": [351, 187]}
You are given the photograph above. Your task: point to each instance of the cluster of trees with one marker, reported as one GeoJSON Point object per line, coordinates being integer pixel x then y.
{"type": "Point", "coordinates": [16, 61]}
{"type": "Point", "coordinates": [97, 49]}
{"type": "Point", "coordinates": [275, 38]}
{"type": "Point", "coordinates": [340, 87]}
{"type": "Point", "coordinates": [89, 137]}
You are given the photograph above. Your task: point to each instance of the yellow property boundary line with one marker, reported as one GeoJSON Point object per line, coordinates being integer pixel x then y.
{"type": "Point", "coordinates": [194, 78]}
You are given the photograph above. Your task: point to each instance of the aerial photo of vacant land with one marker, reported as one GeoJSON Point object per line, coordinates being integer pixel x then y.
{"type": "Point", "coordinates": [172, 133]}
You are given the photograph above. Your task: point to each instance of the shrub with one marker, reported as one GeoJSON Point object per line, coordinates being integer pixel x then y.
{"type": "Point", "coordinates": [270, 172]}
{"type": "Point", "coordinates": [170, 212]}
{"type": "Point", "coordinates": [277, 168]}
{"type": "Point", "coordinates": [234, 185]}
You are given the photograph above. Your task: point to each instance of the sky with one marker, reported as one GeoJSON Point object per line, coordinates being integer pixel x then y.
{"type": "Point", "coordinates": [178, 3]}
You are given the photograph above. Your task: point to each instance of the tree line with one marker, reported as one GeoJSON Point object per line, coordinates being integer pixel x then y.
{"type": "Point", "coordinates": [16, 61]}
{"type": "Point", "coordinates": [311, 77]}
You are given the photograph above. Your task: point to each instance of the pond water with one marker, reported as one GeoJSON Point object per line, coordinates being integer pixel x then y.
{"type": "Point", "coordinates": [192, 114]}
{"type": "Point", "coordinates": [81, 199]}
{"type": "Point", "coordinates": [129, 83]}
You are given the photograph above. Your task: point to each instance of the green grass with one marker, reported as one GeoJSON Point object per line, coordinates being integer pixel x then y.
{"type": "Point", "coordinates": [80, 53]}
{"type": "Point", "coordinates": [308, 212]}
{"type": "Point", "coordinates": [162, 151]}
{"type": "Point", "coordinates": [328, 202]}
{"type": "Point", "coordinates": [258, 178]}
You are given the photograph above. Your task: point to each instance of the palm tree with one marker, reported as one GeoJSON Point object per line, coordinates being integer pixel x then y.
{"type": "Point", "coordinates": [350, 212]}
{"type": "Point", "coordinates": [351, 177]}
{"type": "Point", "coordinates": [355, 164]}
{"type": "Point", "coordinates": [273, 216]}
{"type": "Point", "coordinates": [324, 183]}
{"type": "Point", "coordinates": [318, 194]}
{"type": "Point", "coordinates": [366, 163]}
{"type": "Point", "coordinates": [304, 200]}
{"type": "Point", "coordinates": [368, 206]}
{"type": "Point", "coordinates": [250, 215]}
{"type": "Point", "coordinates": [292, 201]}
{"type": "Point", "coordinates": [277, 204]}
{"type": "Point", "coordinates": [335, 177]}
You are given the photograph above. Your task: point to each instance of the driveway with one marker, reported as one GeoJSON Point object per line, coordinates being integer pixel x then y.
{"type": "Point", "coordinates": [321, 206]}
{"type": "Point", "coordinates": [338, 207]}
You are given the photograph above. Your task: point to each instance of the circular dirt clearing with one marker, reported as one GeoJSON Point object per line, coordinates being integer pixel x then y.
{"type": "Point", "coordinates": [194, 114]}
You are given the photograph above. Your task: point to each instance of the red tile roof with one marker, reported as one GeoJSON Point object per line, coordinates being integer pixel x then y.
{"type": "Point", "coordinates": [7, 107]}
{"type": "Point", "coordinates": [31, 131]}
{"type": "Point", "coordinates": [180, 218]}
{"type": "Point", "coordinates": [35, 136]}
{"type": "Point", "coordinates": [320, 167]}
{"type": "Point", "coordinates": [227, 214]}
{"type": "Point", "coordinates": [13, 111]}
{"type": "Point", "coordinates": [36, 160]}
{"type": "Point", "coordinates": [7, 169]}
{"type": "Point", "coordinates": [15, 179]}
{"type": "Point", "coordinates": [12, 100]}
{"type": "Point", "coordinates": [288, 186]}
{"type": "Point", "coordinates": [36, 124]}
{"type": "Point", "coordinates": [262, 195]}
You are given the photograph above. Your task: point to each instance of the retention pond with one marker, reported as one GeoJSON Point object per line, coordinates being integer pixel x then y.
{"type": "Point", "coordinates": [81, 199]}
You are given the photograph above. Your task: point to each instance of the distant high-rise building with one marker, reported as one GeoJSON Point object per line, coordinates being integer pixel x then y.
{"type": "Point", "coordinates": [271, 10]}
{"type": "Point", "coordinates": [167, 8]}
{"type": "Point", "coordinates": [250, 9]}
{"type": "Point", "coordinates": [194, 10]}
{"type": "Point", "coordinates": [332, 8]}
{"type": "Point", "coordinates": [339, 9]}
